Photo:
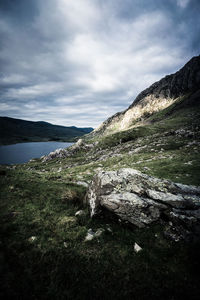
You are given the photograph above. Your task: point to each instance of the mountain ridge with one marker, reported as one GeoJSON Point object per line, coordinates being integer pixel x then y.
{"type": "Point", "coordinates": [14, 130]}
{"type": "Point", "coordinates": [158, 96]}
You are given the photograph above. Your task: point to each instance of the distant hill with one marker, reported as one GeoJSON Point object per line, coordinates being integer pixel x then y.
{"type": "Point", "coordinates": [17, 131]}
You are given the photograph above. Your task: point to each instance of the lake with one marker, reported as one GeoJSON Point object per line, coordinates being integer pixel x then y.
{"type": "Point", "coordinates": [23, 152]}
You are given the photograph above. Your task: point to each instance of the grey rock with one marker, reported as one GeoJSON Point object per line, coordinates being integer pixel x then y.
{"type": "Point", "coordinates": [99, 232]}
{"type": "Point", "coordinates": [80, 213]}
{"type": "Point", "coordinates": [91, 234]}
{"type": "Point", "coordinates": [83, 183]}
{"type": "Point", "coordinates": [141, 199]}
{"type": "Point", "coordinates": [62, 153]}
{"type": "Point", "coordinates": [169, 198]}
{"type": "Point", "coordinates": [32, 239]}
{"type": "Point", "coordinates": [137, 248]}
{"type": "Point", "coordinates": [58, 153]}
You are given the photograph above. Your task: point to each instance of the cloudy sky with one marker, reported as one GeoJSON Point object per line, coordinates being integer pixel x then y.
{"type": "Point", "coordinates": [77, 62]}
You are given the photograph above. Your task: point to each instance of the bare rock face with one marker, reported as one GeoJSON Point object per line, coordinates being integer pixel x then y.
{"type": "Point", "coordinates": [158, 96]}
{"type": "Point", "coordinates": [141, 200]}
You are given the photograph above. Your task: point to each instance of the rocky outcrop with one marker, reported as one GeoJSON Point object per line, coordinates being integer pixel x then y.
{"type": "Point", "coordinates": [58, 153]}
{"type": "Point", "coordinates": [62, 153]}
{"type": "Point", "coordinates": [142, 200]}
{"type": "Point", "coordinates": [158, 96]}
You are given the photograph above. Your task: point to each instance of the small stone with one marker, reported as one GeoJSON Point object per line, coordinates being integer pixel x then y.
{"type": "Point", "coordinates": [65, 244]}
{"type": "Point", "coordinates": [147, 169]}
{"type": "Point", "coordinates": [80, 213]}
{"type": "Point", "coordinates": [99, 232]}
{"type": "Point", "coordinates": [109, 229]}
{"type": "Point", "coordinates": [90, 235]}
{"type": "Point", "coordinates": [82, 183]}
{"type": "Point", "coordinates": [137, 248]}
{"type": "Point", "coordinates": [32, 239]}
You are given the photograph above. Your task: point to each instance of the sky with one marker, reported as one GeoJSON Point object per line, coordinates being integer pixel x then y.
{"type": "Point", "coordinates": [78, 62]}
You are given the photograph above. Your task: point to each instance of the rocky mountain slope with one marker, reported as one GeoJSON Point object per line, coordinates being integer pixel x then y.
{"type": "Point", "coordinates": [16, 131]}
{"type": "Point", "coordinates": [158, 96]}
{"type": "Point", "coordinates": [138, 182]}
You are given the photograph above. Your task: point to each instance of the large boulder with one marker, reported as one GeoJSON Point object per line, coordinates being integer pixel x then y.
{"type": "Point", "coordinates": [141, 200]}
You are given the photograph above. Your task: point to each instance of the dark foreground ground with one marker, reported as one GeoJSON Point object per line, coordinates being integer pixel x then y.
{"type": "Point", "coordinates": [43, 254]}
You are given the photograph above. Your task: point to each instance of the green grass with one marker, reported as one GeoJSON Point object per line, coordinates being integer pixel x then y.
{"type": "Point", "coordinates": [58, 264]}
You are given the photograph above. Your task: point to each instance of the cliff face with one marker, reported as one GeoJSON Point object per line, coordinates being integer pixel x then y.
{"type": "Point", "coordinates": [158, 96]}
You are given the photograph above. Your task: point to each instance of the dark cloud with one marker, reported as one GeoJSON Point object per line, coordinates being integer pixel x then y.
{"type": "Point", "coordinates": [79, 62]}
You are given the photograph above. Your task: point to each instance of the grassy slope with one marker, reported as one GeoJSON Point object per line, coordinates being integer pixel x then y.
{"type": "Point", "coordinates": [40, 199]}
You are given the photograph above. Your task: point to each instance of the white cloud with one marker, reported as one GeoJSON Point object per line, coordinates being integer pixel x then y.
{"type": "Point", "coordinates": [80, 61]}
{"type": "Point", "coordinates": [31, 92]}
{"type": "Point", "coordinates": [7, 107]}
{"type": "Point", "coordinates": [13, 79]}
{"type": "Point", "coordinates": [183, 3]}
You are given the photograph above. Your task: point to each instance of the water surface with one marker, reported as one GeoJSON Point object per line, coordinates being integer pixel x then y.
{"type": "Point", "coordinates": [23, 152]}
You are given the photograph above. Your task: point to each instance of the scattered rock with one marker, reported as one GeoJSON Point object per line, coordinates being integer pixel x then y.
{"type": "Point", "coordinates": [109, 229]}
{"type": "Point", "coordinates": [58, 153]}
{"type": "Point", "coordinates": [184, 132]}
{"type": "Point", "coordinates": [137, 248]}
{"type": "Point", "coordinates": [65, 244]}
{"type": "Point", "coordinates": [62, 153]}
{"type": "Point", "coordinates": [141, 199]}
{"type": "Point", "coordinates": [83, 183]}
{"type": "Point", "coordinates": [146, 169]}
{"type": "Point", "coordinates": [32, 239]}
{"type": "Point", "coordinates": [189, 163]}
{"type": "Point", "coordinates": [91, 234]}
{"type": "Point", "coordinates": [99, 232]}
{"type": "Point", "coordinates": [80, 213]}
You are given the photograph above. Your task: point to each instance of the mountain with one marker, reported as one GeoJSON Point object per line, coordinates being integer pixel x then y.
{"type": "Point", "coordinates": [138, 169]}
{"type": "Point", "coordinates": [158, 134]}
{"type": "Point", "coordinates": [157, 97]}
{"type": "Point", "coordinates": [16, 131]}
